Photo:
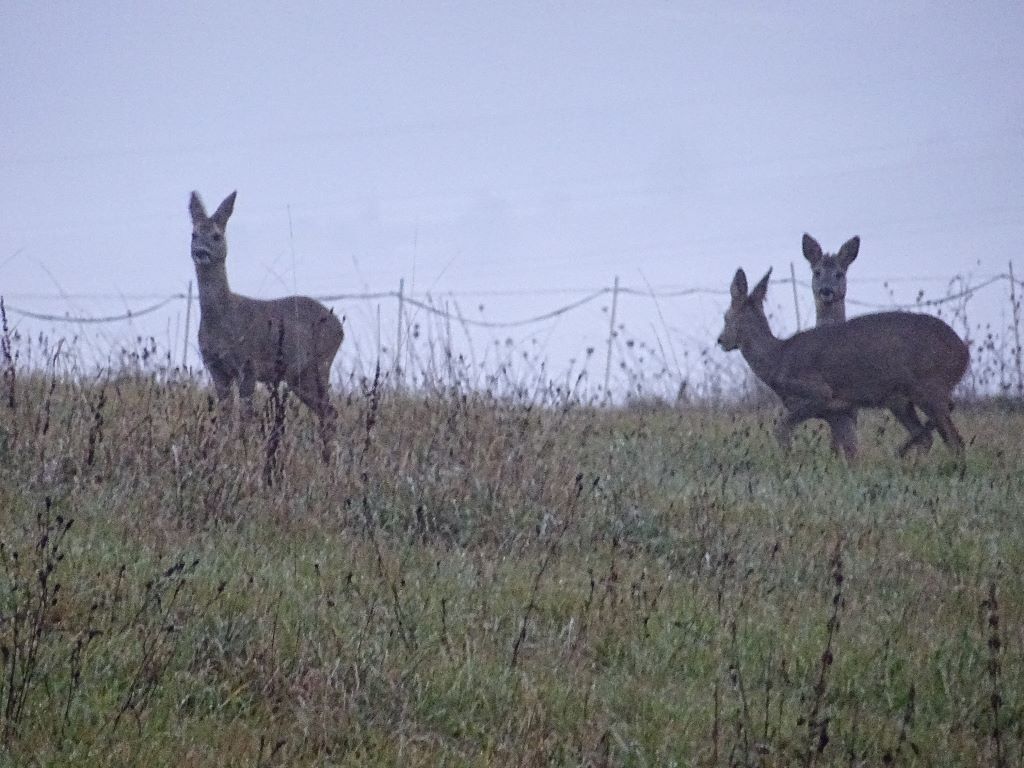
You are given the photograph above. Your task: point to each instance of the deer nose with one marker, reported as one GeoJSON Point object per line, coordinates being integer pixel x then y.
{"type": "Point", "coordinates": [826, 293]}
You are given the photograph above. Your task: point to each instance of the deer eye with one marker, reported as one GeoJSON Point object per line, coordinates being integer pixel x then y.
{"type": "Point", "coordinates": [817, 273]}
{"type": "Point", "coordinates": [839, 274]}
{"type": "Point", "coordinates": [216, 236]}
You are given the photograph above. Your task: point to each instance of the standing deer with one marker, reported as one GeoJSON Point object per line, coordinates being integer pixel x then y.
{"type": "Point", "coordinates": [242, 340]}
{"type": "Point", "coordinates": [828, 285]}
{"type": "Point", "coordinates": [871, 361]}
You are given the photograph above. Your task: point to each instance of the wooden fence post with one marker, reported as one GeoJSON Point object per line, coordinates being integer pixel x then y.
{"type": "Point", "coordinates": [378, 334]}
{"type": "Point", "coordinates": [796, 302]}
{"type": "Point", "coordinates": [398, 343]}
{"type": "Point", "coordinates": [611, 337]}
{"type": "Point", "coordinates": [1015, 309]}
{"type": "Point", "coordinates": [188, 329]}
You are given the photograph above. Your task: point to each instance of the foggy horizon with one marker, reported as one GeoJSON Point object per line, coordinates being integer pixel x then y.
{"type": "Point", "coordinates": [515, 156]}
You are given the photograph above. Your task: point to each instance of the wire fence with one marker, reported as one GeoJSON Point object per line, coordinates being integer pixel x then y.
{"type": "Point", "coordinates": [399, 295]}
{"type": "Point", "coordinates": [444, 307]}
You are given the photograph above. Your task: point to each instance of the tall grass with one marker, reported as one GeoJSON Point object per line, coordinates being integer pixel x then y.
{"type": "Point", "coordinates": [494, 572]}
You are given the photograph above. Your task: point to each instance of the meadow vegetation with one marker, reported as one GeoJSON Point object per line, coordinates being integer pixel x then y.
{"type": "Point", "coordinates": [483, 579]}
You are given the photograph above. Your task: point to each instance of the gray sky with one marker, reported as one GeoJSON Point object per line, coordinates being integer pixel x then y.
{"type": "Point", "coordinates": [471, 146]}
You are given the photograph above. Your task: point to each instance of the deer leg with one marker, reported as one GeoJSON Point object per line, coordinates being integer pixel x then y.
{"type": "Point", "coordinates": [807, 398]}
{"type": "Point", "coordinates": [246, 388]}
{"type": "Point", "coordinates": [328, 429]}
{"type": "Point", "coordinates": [222, 387]}
{"type": "Point", "coordinates": [313, 389]}
{"type": "Point", "coordinates": [920, 434]}
{"type": "Point", "coordinates": [328, 413]}
{"type": "Point", "coordinates": [843, 426]}
{"type": "Point", "coordinates": [797, 412]}
{"type": "Point", "coordinates": [937, 410]}
{"type": "Point", "coordinates": [784, 431]}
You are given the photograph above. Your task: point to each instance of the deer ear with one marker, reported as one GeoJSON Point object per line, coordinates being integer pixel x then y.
{"type": "Point", "coordinates": [849, 251]}
{"type": "Point", "coordinates": [761, 289]}
{"type": "Point", "coordinates": [738, 289]}
{"type": "Point", "coordinates": [812, 251]}
{"type": "Point", "coordinates": [196, 208]}
{"type": "Point", "coordinates": [223, 212]}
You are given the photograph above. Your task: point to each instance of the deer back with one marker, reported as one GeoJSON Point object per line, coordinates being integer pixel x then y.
{"type": "Point", "coordinates": [873, 357]}
{"type": "Point", "coordinates": [278, 338]}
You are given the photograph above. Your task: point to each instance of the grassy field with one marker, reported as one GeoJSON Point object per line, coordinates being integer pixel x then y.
{"type": "Point", "coordinates": [477, 582]}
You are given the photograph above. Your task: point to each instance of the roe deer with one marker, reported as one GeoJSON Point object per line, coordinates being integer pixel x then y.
{"type": "Point", "coordinates": [828, 285]}
{"type": "Point", "coordinates": [828, 281]}
{"type": "Point", "coordinates": [872, 361]}
{"type": "Point", "coordinates": [242, 340]}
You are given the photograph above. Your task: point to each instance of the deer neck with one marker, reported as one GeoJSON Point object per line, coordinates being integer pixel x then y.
{"type": "Point", "coordinates": [214, 293]}
{"type": "Point", "coordinates": [760, 349]}
{"type": "Point", "coordinates": [828, 314]}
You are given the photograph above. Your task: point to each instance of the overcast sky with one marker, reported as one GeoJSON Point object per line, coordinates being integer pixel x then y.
{"type": "Point", "coordinates": [470, 146]}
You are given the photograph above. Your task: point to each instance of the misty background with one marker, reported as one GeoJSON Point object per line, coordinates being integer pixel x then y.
{"type": "Point", "coordinates": [505, 160]}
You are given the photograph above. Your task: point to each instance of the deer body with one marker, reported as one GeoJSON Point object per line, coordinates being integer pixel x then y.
{"type": "Point", "coordinates": [244, 341]}
{"type": "Point", "coordinates": [884, 360]}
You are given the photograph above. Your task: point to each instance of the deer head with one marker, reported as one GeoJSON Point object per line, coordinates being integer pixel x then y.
{"type": "Point", "coordinates": [745, 313]}
{"type": "Point", "coordinates": [828, 281]}
{"type": "Point", "coordinates": [209, 245]}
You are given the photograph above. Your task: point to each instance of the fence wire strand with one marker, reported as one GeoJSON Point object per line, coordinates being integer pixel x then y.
{"type": "Point", "coordinates": [131, 314]}
{"type": "Point", "coordinates": [430, 308]}
{"type": "Point", "coordinates": [510, 323]}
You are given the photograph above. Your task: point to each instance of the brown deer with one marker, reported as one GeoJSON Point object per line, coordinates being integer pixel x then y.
{"type": "Point", "coordinates": [828, 280]}
{"type": "Point", "coordinates": [871, 361]}
{"type": "Point", "coordinates": [244, 341]}
{"type": "Point", "coordinates": [828, 285]}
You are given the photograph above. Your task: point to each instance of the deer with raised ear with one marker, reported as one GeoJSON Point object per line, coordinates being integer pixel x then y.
{"type": "Point", "coordinates": [828, 285]}
{"type": "Point", "coordinates": [243, 341]}
{"type": "Point", "coordinates": [871, 361]}
{"type": "Point", "coordinates": [828, 278]}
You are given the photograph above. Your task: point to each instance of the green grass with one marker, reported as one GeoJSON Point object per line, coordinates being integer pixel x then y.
{"type": "Point", "coordinates": [665, 580]}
